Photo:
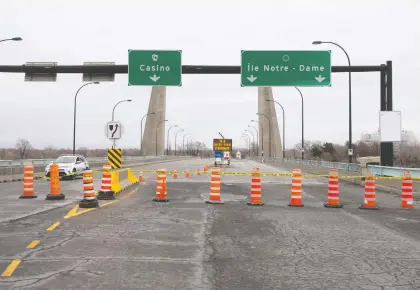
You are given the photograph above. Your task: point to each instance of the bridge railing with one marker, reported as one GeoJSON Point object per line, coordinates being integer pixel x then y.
{"type": "Point", "coordinates": [350, 167]}
{"type": "Point", "coordinates": [393, 171]}
{"type": "Point", "coordinates": [316, 163]}
{"type": "Point", "coordinates": [21, 162]}
{"type": "Point", "coordinates": [15, 167]}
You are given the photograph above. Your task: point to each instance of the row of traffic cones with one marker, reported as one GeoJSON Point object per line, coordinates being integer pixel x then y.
{"type": "Point", "coordinates": [28, 183]}
{"type": "Point", "coordinates": [176, 175]}
{"type": "Point", "coordinates": [214, 197]}
{"type": "Point", "coordinates": [334, 191]}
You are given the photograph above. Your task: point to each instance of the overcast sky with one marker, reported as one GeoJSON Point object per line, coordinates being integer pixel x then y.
{"type": "Point", "coordinates": [208, 33]}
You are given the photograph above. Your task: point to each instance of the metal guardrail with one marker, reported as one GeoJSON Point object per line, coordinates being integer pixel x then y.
{"type": "Point", "coordinates": [392, 171]}
{"type": "Point", "coordinates": [350, 167]}
{"type": "Point", "coordinates": [93, 162]}
{"type": "Point", "coordinates": [21, 162]}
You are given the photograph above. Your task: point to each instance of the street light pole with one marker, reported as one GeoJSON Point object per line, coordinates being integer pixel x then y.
{"type": "Point", "coordinates": [141, 132]}
{"type": "Point", "coordinates": [183, 143]}
{"type": "Point", "coordinates": [269, 133]}
{"type": "Point", "coordinates": [74, 113]}
{"type": "Point", "coordinates": [258, 140]}
{"type": "Point", "coordinates": [350, 113]}
{"type": "Point", "coordinates": [113, 112]}
{"type": "Point", "coordinates": [189, 140]}
{"type": "Point", "coordinates": [284, 126]}
{"type": "Point", "coordinates": [167, 139]}
{"type": "Point", "coordinates": [253, 142]}
{"type": "Point", "coordinates": [248, 139]}
{"type": "Point", "coordinates": [176, 134]}
{"type": "Point", "coordinates": [303, 126]}
{"type": "Point", "coordinates": [262, 134]}
{"type": "Point", "coordinates": [157, 127]}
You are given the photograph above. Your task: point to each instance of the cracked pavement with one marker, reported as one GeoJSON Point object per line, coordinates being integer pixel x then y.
{"type": "Point", "coordinates": [187, 244]}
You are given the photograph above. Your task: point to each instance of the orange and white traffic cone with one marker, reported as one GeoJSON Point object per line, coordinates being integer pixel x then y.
{"type": "Point", "coordinates": [187, 173]}
{"type": "Point", "coordinates": [205, 168]}
{"type": "Point", "coordinates": [161, 186]}
{"type": "Point", "coordinates": [296, 194]}
{"type": "Point", "coordinates": [214, 197]}
{"type": "Point", "coordinates": [28, 182]}
{"type": "Point", "coordinates": [141, 178]}
{"type": "Point", "coordinates": [255, 195]}
{"type": "Point", "coordinates": [333, 190]}
{"type": "Point", "coordinates": [175, 176]}
{"type": "Point", "coordinates": [55, 191]}
{"type": "Point", "coordinates": [407, 190]}
{"type": "Point", "coordinates": [370, 193]}
{"type": "Point", "coordinates": [198, 171]}
{"type": "Point", "coordinates": [89, 195]}
{"type": "Point", "coordinates": [106, 193]}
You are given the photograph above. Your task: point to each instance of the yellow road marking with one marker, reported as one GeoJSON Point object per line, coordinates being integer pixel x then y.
{"type": "Point", "coordinates": [108, 203]}
{"type": "Point", "coordinates": [131, 192]}
{"type": "Point", "coordinates": [72, 212]}
{"type": "Point", "coordinates": [80, 212]}
{"type": "Point", "coordinates": [52, 227]}
{"type": "Point", "coordinates": [11, 268]}
{"type": "Point", "coordinates": [33, 244]}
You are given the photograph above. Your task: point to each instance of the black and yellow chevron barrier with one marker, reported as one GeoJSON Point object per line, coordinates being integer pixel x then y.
{"type": "Point", "coordinates": [115, 157]}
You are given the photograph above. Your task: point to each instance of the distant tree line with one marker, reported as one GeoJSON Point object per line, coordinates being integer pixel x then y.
{"type": "Point", "coordinates": [24, 150]}
{"type": "Point", "coordinates": [405, 155]}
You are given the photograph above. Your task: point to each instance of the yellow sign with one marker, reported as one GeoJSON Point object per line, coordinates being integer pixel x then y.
{"type": "Point", "coordinates": [222, 144]}
{"type": "Point", "coordinates": [115, 158]}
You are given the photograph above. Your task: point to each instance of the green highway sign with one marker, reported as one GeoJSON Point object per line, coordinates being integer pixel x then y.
{"type": "Point", "coordinates": [311, 68]}
{"type": "Point", "coordinates": [154, 68]}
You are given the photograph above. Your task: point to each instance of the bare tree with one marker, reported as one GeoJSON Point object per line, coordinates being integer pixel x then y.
{"type": "Point", "coordinates": [23, 147]}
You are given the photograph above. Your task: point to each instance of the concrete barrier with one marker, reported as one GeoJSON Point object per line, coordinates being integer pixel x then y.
{"type": "Point", "coordinates": [122, 179]}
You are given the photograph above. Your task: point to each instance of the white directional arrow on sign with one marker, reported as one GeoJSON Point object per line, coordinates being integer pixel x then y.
{"type": "Point", "coordinates": [154, 78]}
{"type": "Point", "coordinates": [251, 78]}
{"type": "Point", "coordinates": [319, 78]}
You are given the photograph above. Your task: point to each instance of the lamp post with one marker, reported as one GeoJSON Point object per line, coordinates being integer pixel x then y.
{"type": "Point", "coordinates": [12, 39]}
{"type": "Point", "coordinates": [350, 118]}
{"type": "Point", "coordinates": [258, 140]}
{"type": "Point", "coordinates": [74, 113]}
{"type": "Point", "coordinates": [176, 134]}
{"type": "Point", "coordinates": [167, 139]}
{"type": "Point", "coordinates": [253, 142]}
{"type": "Point", "coordinates": [248, 139]}
{"type": "Point", "coordinates": [262, 134]}
{"type": "Point", "coordinates": [157, 127]}
{"type": "Point", "coordinates": [246, 142]}
{"type": "Point", "coordinates": [113, 112]}
{"type": "Point", "coordinates": [141, 132]}
{"type": "Point", "coordinates": [303, 126]}
{"type": "Point", "coordinates": [183, 143]}
{"type": "Point", "coordinates": [189, 140]}
{"type": "Point", "coordinates": [269, 133]}
{"type": "Point", "coordinates": [284, 126]}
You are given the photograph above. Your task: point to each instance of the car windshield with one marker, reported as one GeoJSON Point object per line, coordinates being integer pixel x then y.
{"type": "Point", "coordinates": [65, 159]}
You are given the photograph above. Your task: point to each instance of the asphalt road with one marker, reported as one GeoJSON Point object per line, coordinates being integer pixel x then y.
{"type": "Point", "coordinates": [135, 243]}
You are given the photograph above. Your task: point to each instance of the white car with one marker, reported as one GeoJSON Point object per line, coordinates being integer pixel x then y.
{"type": "Point", "coordinates": [69, 166]}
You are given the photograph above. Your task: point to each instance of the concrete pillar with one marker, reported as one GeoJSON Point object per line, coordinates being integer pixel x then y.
{"type": "Point", "coordinates": [157, 104]}
{"type": "Point", "coordinates": [269, 109]}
